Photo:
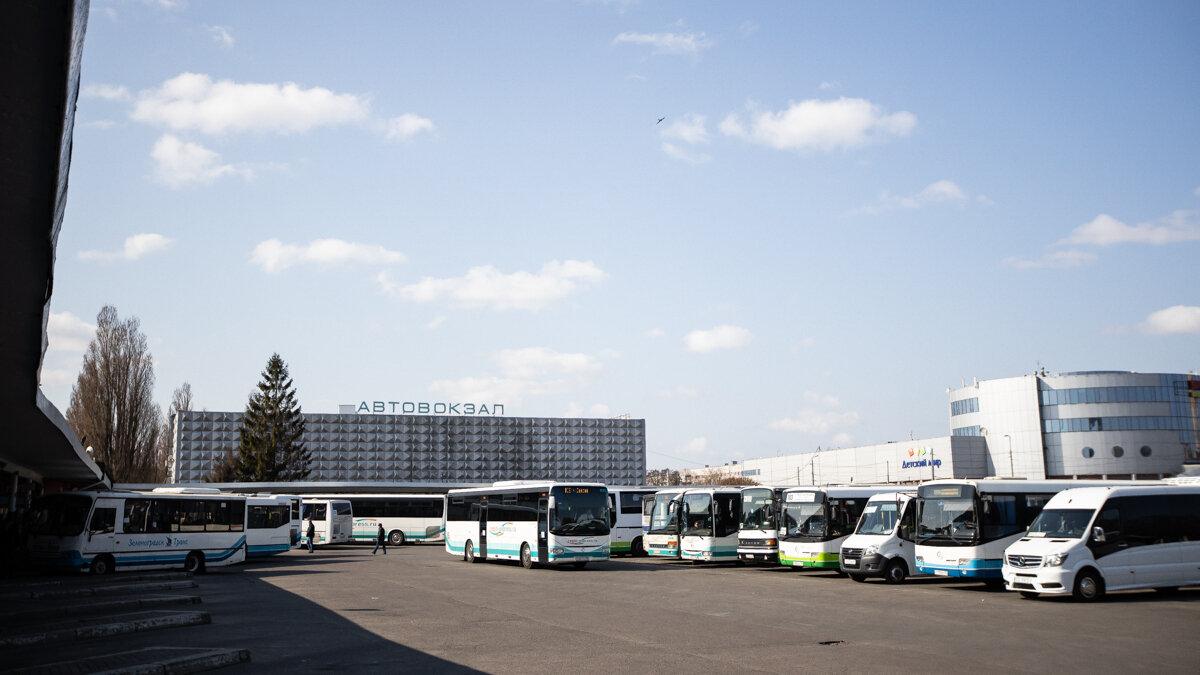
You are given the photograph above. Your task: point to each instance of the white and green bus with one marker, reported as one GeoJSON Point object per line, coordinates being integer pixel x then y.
{"type": "Point", "coordinates": [332, 519]}
{"type": "Point", "coordinates": [708, 524]}
{"type": "Point", "coordinates": [405, 517]}
{"type": "Point", "coordinates": [100, 532]}
{"type": "Point", "coordinates": [817, 519]}
{"type": "Point", "coordinates": [542, 523]}
{"type": "Point", "coordinates": [626, 506]}
{"type": "Point", "coordinates": [662, 534]}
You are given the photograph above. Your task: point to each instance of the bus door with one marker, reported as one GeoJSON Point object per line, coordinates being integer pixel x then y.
{"type": "Point", "coordinates": [543, 543]}
{"type": "Point", "coordinates": [483, 509]}
{"type": "Point", "coordinates": [102, 526]}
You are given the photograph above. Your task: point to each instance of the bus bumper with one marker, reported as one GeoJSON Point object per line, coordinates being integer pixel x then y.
{"type": "Point", "coordinates": [965, 569]}
{"type": "Point", "coordinates": [826, 561]}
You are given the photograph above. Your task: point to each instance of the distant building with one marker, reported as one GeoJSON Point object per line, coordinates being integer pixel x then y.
{"type": "Point", "coordinates": [433, 448]}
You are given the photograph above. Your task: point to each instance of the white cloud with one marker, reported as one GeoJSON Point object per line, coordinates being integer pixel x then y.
{"type": "Point", "coordinates": [1183, 319]}
{"type": "Point", "coordinates": [1104, 230]}
{"type": "Point", "coordinates": [179, 163]}
{"type": "Point", "coordinates": [108, 92]}
{"type": "Point", "coordinates": [826, 86]}
{"type": "Point", "coordinates": [667, 43]}
{"type": "Point", "coordinates": [535, 362]}
{"type": "Point", "coordinates": [656, 333]}
{"type": "Point", "coordinates": [690, 129]}
{"type": "Point", "coordinates": [135, 247]}
{"type": "Point", "coordinates": [66, 332]}
{"type": "Point", "coordinates": [275, 256]}
{"type": "Point", "coordinates": [812, 421]}
{"type": "Point", "coordinates": [487, 286]}
{"type": "Point", "coordinates": [524, 372]}
{"type": "Point", "coordinates": [221, 35]}
{"type": "Point", "coordinates": [436, 322]}
{"type": "Point", "coordinates": [677, 152]}
{"type": "Point", "coordinates": [406, 126]}
{"type": "Point", "coordinates": [822, 399]}
{"type": "Point", "coordinates": [1053, 260]}
{"type": "Point", "coordinates": [939, 192]}
{"type": "Point", "coordinates": [195, 102]}
{"type": "Point", "coordinates": [719, 337]}
{"type": "Point", "coordinates": [820, 125]}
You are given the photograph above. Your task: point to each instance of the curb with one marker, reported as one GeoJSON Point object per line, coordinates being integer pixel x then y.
{"type": "Point", "coordinates": [103, 607]}
{"type": "Point", "coordinates": [115, 589]}
{"type": "Point", "coordinates": [148, 661]}
{"type": "Point", "coordinates": [139, 623]}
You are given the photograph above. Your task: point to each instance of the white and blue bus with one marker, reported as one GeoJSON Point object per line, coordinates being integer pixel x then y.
{"type": "Point", "coordinates": [100, 532]}
{"type": "Point", "coordinates": [708, 524]}
{"type": "Point", "coordinates": [626, 505]}
{"type": "Point", "coordinates": [816, 520]}
{"type": "Point", "coordinates": [758, 531]}
{"type": "Point", "coordinates": [545, 523]}
{"type": "Point", "coordinates": [963, 526]}
{"type": "Point", "coordinates": [332, 519]}
{"type": "Point", "coordinates": [662, 535]}
{"type": "Point", "coordinates": [405, 517]}
{"type": "Point", "coordinates": [272, 524]}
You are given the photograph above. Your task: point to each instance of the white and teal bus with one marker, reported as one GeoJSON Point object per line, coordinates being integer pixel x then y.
{"type": "Point", "coordinates": [533, 522]}
{"type": "Point", "coordinates": [817, 519]}
{"type": "Point", "coordinates": [758, 531]}
{"type": "Point", "coordinates": [963, 526]}
{"type": "Point", "coordinates": [100, 532]}
{"type": "Point", "coordinates": [272, 524]}
{"type": "Point", "coordinates": [708, 524]}
{"type": "Point", "coordinates": [332, 519]}
{"type": "Point", "coordinates": [625, 509]}
{"type": "Point", "coordinates": [662, 536]}
{"type": "Point", "coordinates": [405, 517]}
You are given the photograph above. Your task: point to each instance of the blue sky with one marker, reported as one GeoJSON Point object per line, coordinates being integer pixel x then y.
{"type": "Point", "coordinates": [848, 208]}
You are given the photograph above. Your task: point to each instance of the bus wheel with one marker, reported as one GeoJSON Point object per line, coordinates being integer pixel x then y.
{"type": "Point", "coordinates": [896, 572]}
{"type": "Point", "coordinates": [636, 549]}
{"type": "Point", "coordinates": [396, 538]}
{"type": "Point", "coordinates": [526, 557]}
{"type": "Point", "coordinates": [469, 552]}
{"type": "Point", "coordinates": [857, 577]}
{"type": "Point", "coordinates": [194, 562]}
{"type": "Point", "coordinates": [1089, 587]}
{"type": "Point", "coordinates": [580, 564]}
{"type": "Point", "coordinates": [102, 564]}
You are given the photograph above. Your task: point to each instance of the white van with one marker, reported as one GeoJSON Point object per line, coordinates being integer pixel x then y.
{"type": "Point", "coordinates": [1090, 540]}
{"type": "Point", "coordinates": [882, 544]}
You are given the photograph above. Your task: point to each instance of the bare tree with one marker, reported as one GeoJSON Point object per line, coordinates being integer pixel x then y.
{"type": "Point", "coordinates": [180, 400]}
{"type": "Point", "coordinates": [112, 405]}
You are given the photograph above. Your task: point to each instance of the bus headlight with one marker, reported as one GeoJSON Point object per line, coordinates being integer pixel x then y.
{"type": "Point", "coordinates": [772, 542]}
{"type": "Point", "coordinates": [871, 550]}
{"type": "Point", "coordinates": [1055, 560]}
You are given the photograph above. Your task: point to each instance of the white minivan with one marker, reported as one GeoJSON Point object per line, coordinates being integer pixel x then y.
{"type": "Point", "coordinates": [1090, 540]}
{"type": "Point", "coordinates": [882, 544]}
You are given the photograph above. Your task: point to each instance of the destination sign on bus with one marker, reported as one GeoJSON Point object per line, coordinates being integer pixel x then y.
{"type": "Point", "coordinates": [577, 490]}
{"type": "Point", "coordinates": [802, 497]}
{"type": "Point", "coordinates": [951, 491]}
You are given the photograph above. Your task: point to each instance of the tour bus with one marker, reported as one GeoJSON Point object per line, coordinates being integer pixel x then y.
{"type": "Point", "coordinates": [758, 531]}
{"type": "Point", "coordinates": [963, 526]}
{"type": "Point", "coordinates": [625, 519]}
{"type": "Point", "coordinates": [662, 537]}
{"type": "Point", "coordinates": [332, 519]}
{"type": "Point", "coordinates": [708, 524]}
{"type": "Point", "coordinates": [100, 532]}
{"type": "Point", "coordinates": [530, 521]}
{"type": "Point", "coordinates": [817, 519]}
{"type": "Point", "coordinates": [405, 517]}
{"type": "Point", "coordinates": [1090, 540]}
{"type": "Point", "coordinates": [882, 543]}
{"type": "Point", "coordinates": [272, 524]}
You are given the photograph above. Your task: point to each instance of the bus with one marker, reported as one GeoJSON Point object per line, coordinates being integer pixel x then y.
{"type": "Point", "coordinates": [817, 519]}
{"type": "Point", "coordinates": [758, 531]}
{"type": "Point", "coordinates": [963, 526]}
{"type": "Point", "coordinates": [626, 518]}
{"type": "Point", "coordinates": [332, 519]}
{"type": "Point", "coordinates": [101, 532]}
{"type": "Point", "coordinates": [272, 524]}
{"type": "Point", "coordinates": [708, 524]}
{"type": "Point", "coordinates": [662, 536]}
{"type": "Point", "coordinates": [537, 523]}
{"type": "Point", "coordinates": [882, 543]}
{"type": "Point", "coordinates": [405, 517]}
{"type": "Point", "coordinates": [1087, 541]}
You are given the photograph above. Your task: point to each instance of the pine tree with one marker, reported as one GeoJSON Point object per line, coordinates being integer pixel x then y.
{"type": "Point", "coordinates": [269, 441]}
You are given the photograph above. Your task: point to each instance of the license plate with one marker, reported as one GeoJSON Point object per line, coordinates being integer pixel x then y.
{"type": "Point", "coordinates": [941, 573]}
{"type": "Point", "coordinates": [851, 563]}
{"type": "Point", "coordinates": [750, 556]}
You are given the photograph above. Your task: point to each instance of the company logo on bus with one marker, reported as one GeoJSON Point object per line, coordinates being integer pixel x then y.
{"type": "Point", "coordinates": [499, 530]}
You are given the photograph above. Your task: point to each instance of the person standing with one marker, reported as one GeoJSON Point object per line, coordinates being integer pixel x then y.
{"type": "Point", "coordinates": [380, 540]}
{"type": "Point", "coordinates": [312, 534]}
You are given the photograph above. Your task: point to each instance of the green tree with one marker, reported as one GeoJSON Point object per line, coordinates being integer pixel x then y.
{"type": "Point", "coordinates": [269, 441]}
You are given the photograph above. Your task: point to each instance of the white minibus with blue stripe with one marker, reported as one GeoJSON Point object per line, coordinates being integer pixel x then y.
{"type": "Point", "coordinates": [272, 524]}
{"type": "Point", "coordinates": [101, 532]}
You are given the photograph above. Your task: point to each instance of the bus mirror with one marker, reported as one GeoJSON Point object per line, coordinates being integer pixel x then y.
{"type": "Point", "coordinates": [1098, 534]}
{"type": "Point", "coordinates": [550, 503]}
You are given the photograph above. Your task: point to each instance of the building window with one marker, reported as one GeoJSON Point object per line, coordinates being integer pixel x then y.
{"type": "Point", "coordinates": [1088, 453]}
{"type": "Point", "coordinates": [967, 431]}
{"type": "Point", "coordinates": [1118, 451]}
{"type": "Point", "coordinates": [967, 405]}
{"type": "Point", "coordinates": [1146, 451]}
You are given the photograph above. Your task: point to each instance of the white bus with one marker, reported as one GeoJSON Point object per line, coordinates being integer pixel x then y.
{"type": "Point", "coordinates": [1087, 541]}
{"type": "Point", "coordinates": [758, 531]}
{"type": "Point", "coordinates": [625, 519]}
{"type": "Point", "coordinates": [662, 536]}
{"type": "Point", "coordinates": [533, 522]}
{"type": "Point", "coordinates": [332, 519]}
{"type": "Point", "coordinates": [272, 524]}
{"type": "Point", "coordinates": [963, 526]}
{"type": "Point", "coordinates": [817, 519]}
{"type": "Point", "coordinates": [882, 543]}
{"type": "Point", "coordinates": [708, 524]}
{"type": "Point", "coordinates": [100, 532]}
{"type": "Point", "coordinates": [405, 517]}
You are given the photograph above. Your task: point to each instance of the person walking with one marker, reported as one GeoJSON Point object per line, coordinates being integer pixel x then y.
{"type": "Point", "coordinates": [311, 534]}
{"type": "Point", "coordinates": [380, 540]}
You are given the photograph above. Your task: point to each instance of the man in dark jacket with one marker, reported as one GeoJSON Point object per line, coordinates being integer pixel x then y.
{"type": "Point", "coordinates": [380, 540]}
{"type": "Point", "coordinates": [312, 534]}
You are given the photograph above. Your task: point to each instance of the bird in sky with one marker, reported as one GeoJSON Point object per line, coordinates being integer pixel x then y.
{"type": "Point", "coordinates": [660, 120]}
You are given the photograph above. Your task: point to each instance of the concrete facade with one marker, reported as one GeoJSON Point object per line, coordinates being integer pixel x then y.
{"type": "Point", "coordinates": [432, 448]}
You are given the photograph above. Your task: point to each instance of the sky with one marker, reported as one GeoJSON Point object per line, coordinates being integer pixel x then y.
{"type": "Point", "coordinates": [764, 228]}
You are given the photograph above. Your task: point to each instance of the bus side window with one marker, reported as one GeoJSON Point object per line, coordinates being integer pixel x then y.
{"type": "Point", "coordinates": [104, 521]}
{"type": "Point", "coordinates": [134, 521]}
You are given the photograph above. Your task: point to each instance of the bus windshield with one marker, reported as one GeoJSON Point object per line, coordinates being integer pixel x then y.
{"type": "Point", "coordinates": [662, 518]}
{"type": "Point", "coordinates": [697, 515]}
{"type": "Point", "coordinates": [949, 517]}
{"type": "Point", "coordinates": [61, 515]}
{"type": "Point", "coordinates": [1061, 523]}
{"type": "Point", "coordinates": [879, 518]}
{"type": "Point", "coordinates": [580, 511]}
{"type": "Point", "coordinates": [804, 519]}
{"type": "Point", "coordinates": [758, 509]}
